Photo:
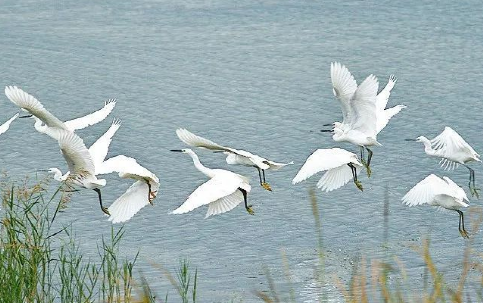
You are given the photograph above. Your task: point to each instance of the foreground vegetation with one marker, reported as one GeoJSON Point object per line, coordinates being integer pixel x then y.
{"type": "Point", "coordinates": [42, 262]}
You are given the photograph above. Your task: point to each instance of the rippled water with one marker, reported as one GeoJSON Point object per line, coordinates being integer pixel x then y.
{"type": "Point", "coordinates": [252, 75]}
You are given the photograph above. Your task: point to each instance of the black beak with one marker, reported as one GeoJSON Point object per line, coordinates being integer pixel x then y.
{"type": "Point", "coordinates": [329, 124]}
{"type": "Point", "coordinates": [410, 140]}
{"type": "Point", "coordinates": [176, 150]}
{"type": "Point", "coordinates": [326, 130]}
{"type": "Point", "coordinates": [27, 116]}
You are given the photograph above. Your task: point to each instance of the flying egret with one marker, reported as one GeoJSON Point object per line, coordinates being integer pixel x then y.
{"type": "Point", "coordinates": [341, 166]}
{"type": "Point", "coordinates": [234, 156]}
{"type": "Point", "coordinates": [79, 161]}
{"type": "Point", "coordinates": [141, 193]}
{"type": "Point", "coordinates": [453, 150]}
{"type": "Point", "coordinates": [442, 192]}
{"type": "Point", "coordinates": [44, 120]}
{"type": "Point", "coordinates": [358, 104]}
{"type": "Point", "coordinates": [5, 126]}
{"type": "Point", "coordinates": [223, 192]}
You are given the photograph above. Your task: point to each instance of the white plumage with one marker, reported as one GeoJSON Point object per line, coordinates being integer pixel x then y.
{"type": "Point", "coordinates": [341, 167]}
{"type": "Point", "coordinates": [385, 114]}
{"type": "Point", "coordinates": [45, 121]}
{"type": "Point", "coordinates": [453, 150]}
{"type": "Point", "coordinates": [234, 156]}
{"type": "Point", "coordinates": [222, 192]}
{"type": "Point", "coordinates": [442, 192]}
{"type": "Point", "coordinates": [5, 126]}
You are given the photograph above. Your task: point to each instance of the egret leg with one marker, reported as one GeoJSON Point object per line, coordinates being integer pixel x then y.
{"type": "Point", "coordinates": [461, 225]}
{"type": "Point", "coordinates": [151, 194]}
{"type": "Point", "coordinates": [247, 207]}
{"type": "Point", "coordinates": [98, 191]}
{"type": "Point", "coordinates": [354, 176]}
{"type": "Point", "coordinates": [265, 184]}
{"type": "Point", "coordinates": [363, 161]}
{"type": "Point", "coordinates": [471, 183]}
{"type": "Point", "coordinates": [369, 158]}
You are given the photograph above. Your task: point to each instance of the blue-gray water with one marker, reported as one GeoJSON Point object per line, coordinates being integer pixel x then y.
{"type": "Point", "coordinates": [252, 75]}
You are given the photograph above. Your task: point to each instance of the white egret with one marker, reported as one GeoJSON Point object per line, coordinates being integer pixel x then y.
{"type": "Point", "coordinates": [234, 156]}
{"type": "Point", "coordinates": [453, 150]}
{"type": "Point", "coordinates": [45, 121]}
{"type": "Point", "coordinates": [442, 192]}
{"type": "Point", "coordinates": [341, 167]}
{"type": "Point", "coordinates": [141, 193]}
{"type": "Point", "coordinates": [79, 161]}
{"type": "Point", "coordinates": [223, 192]}
{"type": "Point", "coordinates": [358, 103]}
{"type": "Point", "coordinates": [5, 126]}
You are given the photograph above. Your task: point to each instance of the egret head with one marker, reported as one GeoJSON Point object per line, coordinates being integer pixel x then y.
{"type": "Point", "coordinates": [185, 150]}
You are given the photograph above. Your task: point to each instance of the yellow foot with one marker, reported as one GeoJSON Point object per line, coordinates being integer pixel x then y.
{"type": "Point", "coordinates": [464, 234]}
{"type": "Point", "coordinates": [250, 210]}
{"type": "Point", "coordinates": [105, 211]}
{"type": "Point", "coordinates": [266, 186]}
{"type": "Point", "coordinates": [359, 185]}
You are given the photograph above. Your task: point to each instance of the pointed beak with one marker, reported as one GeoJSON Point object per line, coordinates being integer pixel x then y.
{"type": "Point", "coordinates": [411, 140]}
{"type": "Point", "coordinates": [176, 150]}
{"type": "Point", "coordinates": [326, 130]}
{"type": "Point", "coordinates": [328, 124]}
{"type": "Point", "coordinates": [26, 116]}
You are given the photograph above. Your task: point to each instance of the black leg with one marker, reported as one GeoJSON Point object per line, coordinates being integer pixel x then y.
{"type": "Point", "coordinates": [247, 207]}
{"type": "Point", "coordinates": [354, 176]}
{"type": "Point", "coordinates": [461, 225]}
{"type": "Point", "coordinates": [263, 172]}
{"type": "Point", "coordinates": [369, 156]}
{"type": "Point", "coordinates": [98, 191]}
{"type": "Point", "coordinates": [472, 183]}
{"type": "Point", "coordinates": [260, 175]}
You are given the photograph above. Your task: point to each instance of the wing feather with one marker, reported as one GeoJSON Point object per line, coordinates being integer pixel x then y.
{"type": "Point", "coordinates": [33, 106]}
{"type": "Point", "coordinates": [129, 203]}
{"type": "Point", "coordinates": [75, 153]}
{"type": "Point", "coordinates": [92, 118]}
{"type": "Point", "coordinates": [450, 142]}
{"type": "Point", "coordinates": [344, 85]}
{"type": "Point", "coordinates": [383, 96]}
{"type": "Point", "coordinates": [363, 107]}
{"type": "Point", "coordinates": [335, 178]}
{"type": "Point", "coordinates": [100, 148]}
{"type": "Point", "coordinates": [216, 188]}
{"type": "Point", "coordinates": [224, 204]}
{"type": "Point", "coordinates": [5, 126]}
{"type": "Point", "coordinates": [426, 190]}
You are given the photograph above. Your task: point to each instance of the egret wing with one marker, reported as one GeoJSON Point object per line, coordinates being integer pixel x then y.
{"type": "Point", "coordinates": [383, 96]}
{"type": "Point", "coordinates": [92, 118]}
{"type": "Point", "coordinates": [225, 204]}
{"type": "Point", "coordinates": [218, 187]}
{"type": "Point", "coordinates": [33, 106]}
{"type": "Point", "coordinates": [75, 153]}
{"type": "Point", "coordinates": [320, 160]}
{"type": "Point", "coordinates": [450, 142]}
{"type": "Point", "coordinates": [335, 178]}
{"type": "Point", "coordinates": [386, 115]}
{"type": "Point", "coordinates": [5, 126]}
{"type": "Point", "coordinates": [129, 203]}
{"type": "Point", "coordinates": [126, 167]}
{"type": "Point", "coordinates": [99, 149]}
{"type": "Point", "coordinates": [363, 107]}
{"type": "Point", "coordinates": [197, 141]}
{"type": "Point", "coordinates": [458, 191]}
{"type": "Point", "coordinates": [344, 85]}
{"type": "Point", "coordinates": [425, 191]}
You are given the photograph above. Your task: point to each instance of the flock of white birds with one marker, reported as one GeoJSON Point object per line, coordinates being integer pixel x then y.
{"type": "Point", "coordinates": [364, 115]}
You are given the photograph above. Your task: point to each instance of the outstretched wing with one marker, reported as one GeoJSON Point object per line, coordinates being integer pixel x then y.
{"type": "Point", "coordinates": [224, 204]}
{"type": "Point", "coordinates": [216, 188]}
{"type": "Point", "coordinates": [99, 149]}
{"type": "Point", "coordinates": [450, 142]}
{"type": "Point", "coordinates": [33, 106]}
{"type": "Point", "coordinates": [363, 107]}
{"type": "Point", "coordinates": [126, 167]}
{"type": "Point", "coordinates": [336, 177]}
{"type": "Point", "coordinates": [458, 191]}
{"type": "Point", "coordinates": [383, 96]}
{"type": "Point", "coordinates": [75, 153]}
{"type": "Point", "coordinates": [322, 159]}
{"type": "Point", "coordinates": [197, 141]}
{"type": "Point", "coordinates": [425, 191]}
{"type": "Point", "coordinates": [384, 116]}
{"type": "Point", "coordinates": [5, 126]}
{"type": "Point", "coordinates": [93, 118]}
{"type": "Point", "coordinates": [344, 86]}
{"type": "Point", "coordinates": [129, 203]}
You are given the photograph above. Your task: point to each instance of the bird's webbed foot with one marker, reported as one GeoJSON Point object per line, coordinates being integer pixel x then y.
{"type": "Point", "coordinates": [464, 234]}
{"type": "Point", "coordinates": [474, 192]}
{"type": "Point", "coordinates": [104, 209]}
